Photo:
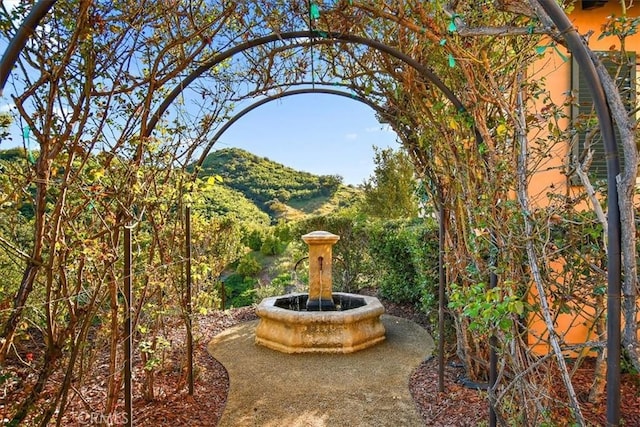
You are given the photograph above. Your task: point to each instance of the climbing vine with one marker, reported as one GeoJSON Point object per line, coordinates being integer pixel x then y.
{"type": "Point", "coordinates": [103, 153]}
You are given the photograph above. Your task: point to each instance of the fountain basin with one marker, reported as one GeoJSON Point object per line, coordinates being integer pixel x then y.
{"type": "Point", "coordinates": [287, 327]}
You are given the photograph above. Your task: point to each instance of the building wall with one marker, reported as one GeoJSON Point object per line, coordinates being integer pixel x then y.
{"type": "Point", "coordinates": [555, 67]}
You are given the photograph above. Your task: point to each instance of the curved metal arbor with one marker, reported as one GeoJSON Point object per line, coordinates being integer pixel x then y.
{"type": "Point", "coordinates": [575, 44]}
{"type": "Point", "coordinates": [581, 54]}
{"type": "Point", "coordinates": [28, 26]}
{"type": "Point", "coordinates": [326, 38]}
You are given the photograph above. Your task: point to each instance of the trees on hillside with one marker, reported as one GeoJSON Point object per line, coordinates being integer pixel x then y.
{"type": "Point", "coordinates": [264, 181]}
{"type": "Point", "coordinates": [391, 191]}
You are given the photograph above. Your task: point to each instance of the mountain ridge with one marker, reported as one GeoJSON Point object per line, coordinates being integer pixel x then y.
{"type": "Point", "coordinates": [275, 189]}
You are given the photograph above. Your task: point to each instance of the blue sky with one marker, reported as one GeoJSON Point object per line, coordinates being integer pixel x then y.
{"type": "Point", "coordinates": [317, 133]}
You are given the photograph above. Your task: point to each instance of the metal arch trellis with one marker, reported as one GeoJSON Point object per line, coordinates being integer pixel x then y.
{"type": "Point", "coordinates": [581, 53]}
{"type": "Point", "coordinates": [326, 38]}
{"type": "Point", "coordinates": [441, 244]}
{"type": "Point", "coordinates": [332, 38]}
{"type": "Point", "coordinates": [442, 279]}
{"type": "Point", "coordinates": [580, 50]}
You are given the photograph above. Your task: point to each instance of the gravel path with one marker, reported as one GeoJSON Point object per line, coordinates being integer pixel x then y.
{"type": "Point", "coordinates": [365, 388]}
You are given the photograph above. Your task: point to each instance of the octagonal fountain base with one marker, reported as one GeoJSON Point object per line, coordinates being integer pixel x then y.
{"type": "Point", "coordinates": [286, 326]}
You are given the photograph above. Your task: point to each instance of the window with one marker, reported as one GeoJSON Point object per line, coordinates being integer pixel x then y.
{"type": "Point", "coordinates": [592, 4]}
{"type": "Point", "coordinates": [584, 120]}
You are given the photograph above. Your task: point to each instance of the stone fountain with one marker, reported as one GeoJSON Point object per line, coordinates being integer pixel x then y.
{"type": "Point", "coordinates": [321, 321]}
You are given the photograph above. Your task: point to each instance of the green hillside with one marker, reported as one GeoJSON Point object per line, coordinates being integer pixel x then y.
{"type": "Point", "coordinates": [278, 190]}
{"type": "Point", "coordinates": [224, 200]}
{"type": "Point", "coordinates": [255, 189]}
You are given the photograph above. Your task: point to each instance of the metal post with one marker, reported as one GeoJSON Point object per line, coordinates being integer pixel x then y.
{"type": "Point", "coordinates": [28, 26]}
{"type": "Point", "coordinates": [441, 293]}
{"type": "Point", "coordinates": [493, 364]}
{"type": "Point", "coordinates": [493, 340]}
{"type": "Point", "coordinates": [188, 301]}
{"type": "Point", "coordinates": [581, 54]}
{"type": "Point", "coordinates": [128, 336]}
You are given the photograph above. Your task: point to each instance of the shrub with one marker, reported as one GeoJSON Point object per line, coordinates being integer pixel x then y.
{"type": "Point", "coordinates": [278, 286]}
{"type": "Point", "coordinates": [272, 245]}
{"type": "Point", "coordinates": [240, 290]}
{"type": "Point", "coordinates": [405, 255]}
{"type": "Point", "coordinates": [254, 239]}
{"type": "Point", "coordinates": [351, 266]}
{"type": "Point", "coordinates": [249, 266]}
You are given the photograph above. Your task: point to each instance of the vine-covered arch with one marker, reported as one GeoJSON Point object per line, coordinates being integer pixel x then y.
{"type": "Point", "coordinates": [576, 45]}
{"type": "Point", "coordinates": [318, 37]}
{"type": "Point", "coordinates": [581, 53]}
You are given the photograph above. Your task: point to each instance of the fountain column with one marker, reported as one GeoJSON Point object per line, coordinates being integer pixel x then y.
{"type": "Point", "coordinates": [350, 324]}
{"type": "Point", "coordinates": [320, 263]}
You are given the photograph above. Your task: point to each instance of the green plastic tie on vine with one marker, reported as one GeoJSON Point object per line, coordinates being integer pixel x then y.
{"type": "Point", "coordinates": [564, 58]}
{"type": "Point", "coordinates": [314, 11]}
{"type": "Point", "coordinates": [530, 29]}
{"type": "Point", "coordinates": [443, 42]}
{"type": "Point", "coordinates": [452, 24]}
{"type": "Point", "coordinates": [452, 61]}
{"type": "Point", "coordinates": [540, 49]}
{"type": "Point", "coordinates": [26, 135]}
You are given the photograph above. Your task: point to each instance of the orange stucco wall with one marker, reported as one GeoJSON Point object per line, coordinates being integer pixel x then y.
{"type": "Point", "coordinates": [556, 71]}
{"type": "Point", "coordinates": [548, 177]}
{"type": "Point", "coordinates": [574, 327]}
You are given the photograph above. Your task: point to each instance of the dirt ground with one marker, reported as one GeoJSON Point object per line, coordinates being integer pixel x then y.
{"type": "Point", "coordinates": [457, 406]}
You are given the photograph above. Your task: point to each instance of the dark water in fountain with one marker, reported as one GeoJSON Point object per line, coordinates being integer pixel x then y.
{"type": "Point", "coordinates": [299, 302]}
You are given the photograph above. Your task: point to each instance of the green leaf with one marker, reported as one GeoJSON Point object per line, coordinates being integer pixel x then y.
{"type": "Point", "coordinates": [504, 324]}
{"type": "Point", "coordinates": [600, 290]}
{"type": "Point", "coordinates": [472, 311]}
{"type": "Point", "coordinates": [517, 307]}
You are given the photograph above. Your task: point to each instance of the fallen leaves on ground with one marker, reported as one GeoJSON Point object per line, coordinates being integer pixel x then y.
{"type": "Point", "coordinates": [456, 406]}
